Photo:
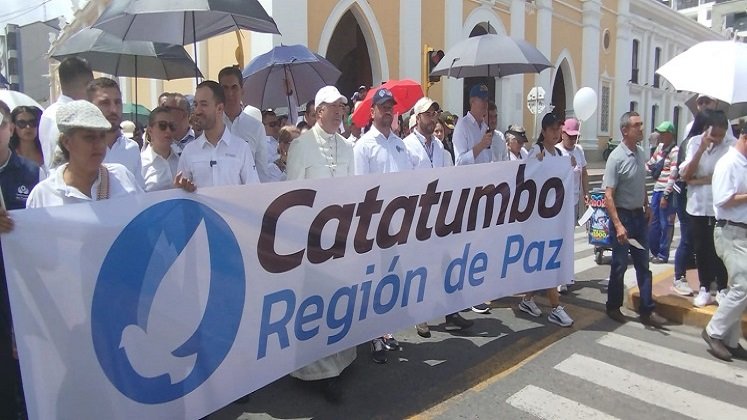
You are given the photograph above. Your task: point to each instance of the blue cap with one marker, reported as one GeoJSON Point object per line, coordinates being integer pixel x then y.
{"type": "Point", "coordinates": [382, 95]}
{"type": "Point", "coordinates": [479, 91]}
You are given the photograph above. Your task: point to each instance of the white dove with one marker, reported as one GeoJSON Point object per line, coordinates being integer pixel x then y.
{"type": "Point", "coordinates": [177, 309]}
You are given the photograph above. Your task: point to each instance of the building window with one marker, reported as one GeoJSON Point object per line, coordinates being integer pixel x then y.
{"type": "Point", "coordinates": [634, 74]}
{"type": "Point", "coordinates": [604, 112]}
{"type": "Point", "coordinates": [606, 40]}
{"type": "Point", "coordinates": [633, 106]}
{"type": "Point", "coordinates": [12, 67]}
{"type": "Point", "coordinates": [654, 112]}
{"type": "Point", "coordinates": [657, 63]}
{"type": "Point", "coordinates": [676, 120]}
{"type": "Point", "coordinates": [12, 41]}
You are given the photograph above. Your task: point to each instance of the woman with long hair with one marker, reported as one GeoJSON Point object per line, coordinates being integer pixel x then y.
{"type": "Point", "coordinates": [25, 138]}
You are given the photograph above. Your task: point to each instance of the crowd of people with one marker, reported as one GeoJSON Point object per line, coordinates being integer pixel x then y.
{"type": "Point", "coordinates": [77, 151]}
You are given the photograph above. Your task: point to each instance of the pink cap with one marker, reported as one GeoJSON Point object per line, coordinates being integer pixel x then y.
{"type": "Point", "coordinates": [571, 126]}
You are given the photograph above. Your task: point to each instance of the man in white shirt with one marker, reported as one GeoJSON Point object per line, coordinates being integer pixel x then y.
{"type": "Point", "coordinates": [272, 129]}
{"type": "Point", "coordinates": [321, 153]}
{"type": "Point", "coordinates": [472, 136]}
{"type": "Point", "coordinates": [105, 94]}
{"type": "Point", "coordinates": [697, 170]}
{"type": "Point", "coordinates": [243, 122]}
{"type": "Point", "coordinates": [570, 147]}
{"type": "Point", "coordinates": [498, 145]}
{"type": "Point", "coordinates": [730, 235]}
{"type": "Point", "coordinates": [380, 151]}
{"type": "Point", "coordinates": [180, 110]}
{"type": "Point", "coordinates": [74, 74]}
{"type": "Point", "coordinates": [217, 157]}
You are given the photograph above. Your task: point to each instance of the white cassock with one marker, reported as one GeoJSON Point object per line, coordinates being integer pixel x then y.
{"type": "Point", "coordinates": [317, 154]}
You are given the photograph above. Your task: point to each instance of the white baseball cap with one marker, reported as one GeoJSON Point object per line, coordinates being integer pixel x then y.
{"type": "Point", "coordinates": [81, 114]}
{"type": "Point", "coordinates": [128, 128]}
{"type": "Point", "coordinates": [328, 95]}
{"type": "Point", "coordinates": [422, 105]}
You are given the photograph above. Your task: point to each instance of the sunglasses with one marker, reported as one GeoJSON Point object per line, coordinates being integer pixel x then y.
{"type": "Point", "coordinates": [26, 123]}
{"type": "Point", "coordinates": [163, 125]}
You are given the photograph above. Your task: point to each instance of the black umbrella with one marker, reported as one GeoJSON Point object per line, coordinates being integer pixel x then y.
{"type": "Point", "coordinates": [108, 54]}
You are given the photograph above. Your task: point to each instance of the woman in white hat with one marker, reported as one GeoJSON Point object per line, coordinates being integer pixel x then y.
{"type": "Point", "coordinates": [83, 177]}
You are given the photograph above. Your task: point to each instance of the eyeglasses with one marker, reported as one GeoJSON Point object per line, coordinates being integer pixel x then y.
{"type": "Point", "coordinates": [163, 125]}
{"type": "Point", "coordinates": [27, 123]}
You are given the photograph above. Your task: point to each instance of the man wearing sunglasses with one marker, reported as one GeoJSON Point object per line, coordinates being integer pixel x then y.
{"type": "Point", "coordinates": [272, 130]}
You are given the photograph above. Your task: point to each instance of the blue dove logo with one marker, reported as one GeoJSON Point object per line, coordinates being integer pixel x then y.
{"type": "Point", "coordinates": [158, 336]}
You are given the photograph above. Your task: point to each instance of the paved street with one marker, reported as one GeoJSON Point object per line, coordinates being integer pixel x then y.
{"type": "Point", "coordinates": [513, 366]}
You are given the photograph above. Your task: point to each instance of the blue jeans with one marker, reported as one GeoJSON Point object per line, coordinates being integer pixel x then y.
{"type": "Point", "coordinates": [662, 226]}
{"type": "Point", "coordinates": [684, 251]}
{"type": "Point", "coordinates": [636, 225]}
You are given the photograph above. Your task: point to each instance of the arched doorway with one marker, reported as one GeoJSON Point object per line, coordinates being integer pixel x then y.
{"type": "Point", "coordinates": [558, 94]}
{"type": "Point", "coordinates": [482, 28]}
{"type": "Point", "coordinates": [348, 51]}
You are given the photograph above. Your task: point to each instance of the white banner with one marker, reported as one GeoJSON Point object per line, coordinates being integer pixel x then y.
{"type": "Point", "coordinates": [172, 305]}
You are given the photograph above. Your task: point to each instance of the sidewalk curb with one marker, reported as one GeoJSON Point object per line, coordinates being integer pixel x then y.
{"type": "Point", "coordinates": [676, 308]}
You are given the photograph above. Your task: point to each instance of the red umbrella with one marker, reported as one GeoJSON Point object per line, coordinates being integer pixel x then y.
{"type": "Point", "coordinates": [406, 92]}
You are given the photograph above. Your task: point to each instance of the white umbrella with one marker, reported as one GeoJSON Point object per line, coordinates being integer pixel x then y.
{"type": "Point", "coordinates": [13, 98]}
{"type": "Point", "coordinates": [732, 111]}
{"type": "Point", "coordinates": [714, 68]}
{"type": "Point", "coordinates": [491, 56]}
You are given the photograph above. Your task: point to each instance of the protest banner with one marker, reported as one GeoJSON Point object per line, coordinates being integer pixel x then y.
{"type": "Point", "coordinates": [172, 305]}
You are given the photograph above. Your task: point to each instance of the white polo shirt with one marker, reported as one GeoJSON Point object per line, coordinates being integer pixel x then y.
{"type": "Point", "coordinates": [499, 147]}
{"type": "Point", "coordinates": [272, 149]}
{"type": "Point", "coordinates": [700, 197]}
{"type": "Point", "coordinates": [126, 152]}
{"type": "Point", "coordinates": [376, 154]}
{"type": "Point", "coordinates": [467, 134]}
{"type": "Point", "coordinates": [251, 131]}
{"type": "Point", "coordinates": [49, 135]}
{"type": "Point", "coordinates": [230, 162]}
{"type": "Point", "coordinates": [422, 156]}
{"type": "Point", "coordinates": [53, 191]}
{"type": "Point", "coordinates": [158, 172]}
{"type": "Point", "coordinates": [729, 179]}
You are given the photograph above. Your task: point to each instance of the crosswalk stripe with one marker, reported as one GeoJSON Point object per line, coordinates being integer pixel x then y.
{"type": "Point", "coordinates": [651, 391]}
{"type": "Point", "coordinates": [547, 405]}
{"type": "Point", "coordinates": [675, 358]}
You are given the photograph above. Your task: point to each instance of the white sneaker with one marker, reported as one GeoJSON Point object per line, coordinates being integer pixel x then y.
{"type": "Point", "coordinates": [558, 316]}
{"type": "Point", "coordinates": [721, 295]}
{"type": "Point", "coordinates": [563, 288]}
{"type": "Point", "coordinates": [530, 307]}
{"type": "Point", "coordinates": [703, 299]}
{"type": "Point", "coordinates": [681, 287]}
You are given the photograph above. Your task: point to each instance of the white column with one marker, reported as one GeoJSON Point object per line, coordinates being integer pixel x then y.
{"type": "Point", "coordinates": [262, 43]}
{"type": "Point", "coordinates": [410, 48]}
{"type": "Point", "coordinates": [452, 34]}
{"type": "Point", "coordinates": [292, 22]}
{"type": "Point", "coordinates": [513, 94]}
{"type": "Point", "coordinates": [623, 65]}
{"type": "Point", "coordinates": [591, 35]}
{"type": "Point", "coordinates": [544, 45]}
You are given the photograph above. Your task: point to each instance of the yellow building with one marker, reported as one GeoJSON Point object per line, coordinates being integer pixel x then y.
{"type": "Point", "coordinates": [612, 46]}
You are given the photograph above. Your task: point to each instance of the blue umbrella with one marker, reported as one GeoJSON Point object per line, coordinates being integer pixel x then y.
{"type": "Point", "coordinates": [286, 73]}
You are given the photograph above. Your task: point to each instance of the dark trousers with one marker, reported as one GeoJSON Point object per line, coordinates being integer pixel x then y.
{"type": "Point", "coordinates": [662, 226]}
{"type": "Point", "coordinates": [710, 266]}
{"type": "Point", "coordinates": [684, 253]}
{"type": "Point", "coordinates": [636, 225]}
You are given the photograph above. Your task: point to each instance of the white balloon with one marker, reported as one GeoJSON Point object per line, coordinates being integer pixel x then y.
{"type": "Point", "coordinates": [585, 103]}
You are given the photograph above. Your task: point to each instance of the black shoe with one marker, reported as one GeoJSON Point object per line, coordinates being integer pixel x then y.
{"type": "Point", "coordinates": [482, 308]}
{"type": "Point", "coordinates": [332, 390]}
{"type": "Point", "coordinates": [653, 320]}
{"type": "Point", "coordinates": [717, 347]}
{"type": "Point", "coordinates": [391, 344]}
{"type": "Point", "coordinates": [378, 352]}
{"type": "Point", "coordinates": [456, 322]}
{"type": "Point", "coordinates": [616, 315]}
{"type": "Point", "coordinates": [423, 330]}
{"type": "Point", "coordinates": [738, 352]}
